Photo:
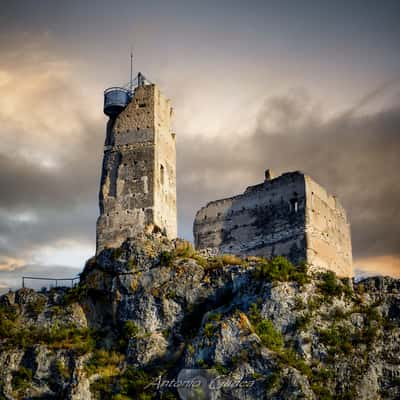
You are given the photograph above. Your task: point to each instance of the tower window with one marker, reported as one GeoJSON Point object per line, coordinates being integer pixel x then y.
{"type": "Point", "coordinates": [142, 105]}
{"type": "Point", "coordinates": [162, 174]}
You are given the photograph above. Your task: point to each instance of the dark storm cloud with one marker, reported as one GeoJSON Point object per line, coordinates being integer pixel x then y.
{"type": "Point", "coordinates": [47, 228]}
{"type": "Point", "coordinates": [26, 184]}
{"type": "Point", "coordinates": [61, 202]}
{"type": "Point", "coordinates": [354, 157]}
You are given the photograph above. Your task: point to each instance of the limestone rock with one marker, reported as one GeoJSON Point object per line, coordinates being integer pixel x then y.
{"type": "Point", "coordinates": [154, 307]}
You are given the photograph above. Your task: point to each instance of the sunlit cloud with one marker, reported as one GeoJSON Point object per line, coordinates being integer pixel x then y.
{"type": "Point", "coordinates": [10, 264]}
{"type": "Point", "coordinates": [381, 265]}
{"type": "Point", "coordinates": [64, 252]}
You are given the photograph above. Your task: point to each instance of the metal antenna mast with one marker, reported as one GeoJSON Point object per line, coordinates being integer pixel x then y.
{"type": "Point", "coordinates": [131, 81]}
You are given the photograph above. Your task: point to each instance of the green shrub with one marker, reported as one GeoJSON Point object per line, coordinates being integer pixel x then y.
{"type": "Point", "coordinates": [315, 303]}
{"type": "Point", "coordinates": [330, 337]}
{"type": "Point", "coordinates": [9, 311]}
{"type": "Point", "coordinates": [117, 253]}
{"type": "Point", "coordinates": [360, 288]}
{"type": "Point", "coordinates": [190, 349]}
{"type": "Point", "coordinates": [184, 249]}
{"type": "Point", "coordinates": [299, 304]}
{"type": "Point", "coordinates": [55, 337]}
{"type": "Point", "coordinates": [214, 263]}
{"type": "Point", "coordinates": [91, 263]}
{"type": "Point", "coordinates": [330, 286]}
{"type": "Point", "coordinates": [321, 375]}
{"type": "Point", "coordinates": [166, 332]}
{"type": "Point", "coordinates": [209, 330]}
{"type": "Point", "coordinates": [222, 370]}
{"type": "Point", "coordinates": [37, 306]}
{"type": "Point", "coordinates": [171, 294]}
{"type": "Point", "coordinates": [366, 335]}
{"type": "Point", "coordinates": [56, 311]}
{"type": "Point", "coordinates": [8, 317]}
{"type": "Point", "coordinates": [240, 358]}
{"type": "Point", "coordinates": [347, 287]}
{"type": "Point", "coordinates": [254, 314]}
{"type": "Point", "coordinates": [289, 357]}
{"type": "Point", "coordinates": [215, 317]}
{"type": "Point", "coordinates": [21, 379]}
{"type": "Point", "coordinates": [167, 258]}
{"type": "Point", "coordinates": [75, 294]}
{"type": "Point", "coordinates": [132, 264]}
{"type": "Point", "coordinates": [103, 388]}
{"type": "Point", "coordinates": [230, 259]}
{"type": "Point", "coordinates": [130, 330]}
{"type": "Point", "coordinates": [63, 370]}
{"type": "Point", "coordinates": [280, 269]}
{"type": "Point", "coordinates": [269, 336]}
{"type": "Point", "coordinates": [131, 384]}
{"type": "Point", "coordinates": [7, 328]}
{"type": "Point", "coordinates": [104, 362]}
{"type": "Point", "coordinates": [69, 337]}
{"type": "Point", "coordinates": [302, 322]}
{"type": "Point", "coordinates": [272, 380]}
{"type": "Point", "coordinates": [202, 364]}
{"type": "Point", "coordinates": [322, 391]}
{"type": "Point", "coordinates": [300, 274]}
{"type": "Point", "coordinates": [338, 339]}
{"type": "Point", "coordinates": [373, 314]}
{"type": "Point", "coordinates": [337, 314]}
{"type": "Point", "coordinates": [200, 260]}
{"type": "Point", "coordinates": [219, 262]}
{"type": "Point", "coordinates": [137, 384]}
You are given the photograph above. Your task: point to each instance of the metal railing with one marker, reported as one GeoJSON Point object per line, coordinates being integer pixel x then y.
{"type": "Point", "coordinates": [72, 281]}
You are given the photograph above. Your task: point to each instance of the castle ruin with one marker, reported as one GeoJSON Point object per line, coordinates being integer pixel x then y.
{"type": "Point", "coordinates": [138, 180]}
{"type": "Point", "coordinates": [290, 215]}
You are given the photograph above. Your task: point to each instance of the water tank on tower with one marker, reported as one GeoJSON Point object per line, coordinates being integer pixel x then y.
{"type": "Point", "coordinates": [115, 100]}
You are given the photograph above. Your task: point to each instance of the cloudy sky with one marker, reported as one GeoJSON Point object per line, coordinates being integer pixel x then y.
{"type": "Point", "coordinates": [289, 85]}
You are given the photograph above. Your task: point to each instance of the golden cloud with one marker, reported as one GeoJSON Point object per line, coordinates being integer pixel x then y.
{"type": "Point", "coordinates": [11, 264]}
{"type": "Point", "coordinates": [381, 265]}
{"type": "Point", "coordinates": [41, 106]}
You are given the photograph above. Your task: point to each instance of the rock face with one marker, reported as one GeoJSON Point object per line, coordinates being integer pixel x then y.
{"type": "Point", "coordinates": [153, 315]}
{"type": "Point", "coordinates": [289, 215]}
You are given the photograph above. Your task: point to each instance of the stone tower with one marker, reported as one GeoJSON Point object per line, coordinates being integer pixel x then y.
{"type": "Point", "coordinates": [138, 180]}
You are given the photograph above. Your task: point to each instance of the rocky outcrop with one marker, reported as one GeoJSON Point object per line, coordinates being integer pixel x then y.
{"type": "Point", "coordinates": [153, 316]}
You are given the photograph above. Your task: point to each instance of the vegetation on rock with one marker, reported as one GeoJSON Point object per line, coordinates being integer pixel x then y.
{"type": "Point", "coordinates": [153, 307]}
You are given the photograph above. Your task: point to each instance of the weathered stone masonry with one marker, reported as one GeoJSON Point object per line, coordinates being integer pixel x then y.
{"type": "Point", "coordinates": [290, 215]}
{"type": "Point", "coordinates": [138, 182]}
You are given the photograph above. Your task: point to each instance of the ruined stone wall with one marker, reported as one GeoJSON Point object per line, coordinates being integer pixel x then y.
{"type": "Point", "coordinates": [290, 215]}
{"type": "Point", "coordinates": [130, 183]}
{"type": "Point", "coordinates": [327, 231]}
{"type": "Point", "coordinates": [268, 220]}
{"type": "Point", "coordinates": [165, 167]}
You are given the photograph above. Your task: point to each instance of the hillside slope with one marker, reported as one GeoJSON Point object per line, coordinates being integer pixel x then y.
{"type": "Point", "coordinates": [154, 311]}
